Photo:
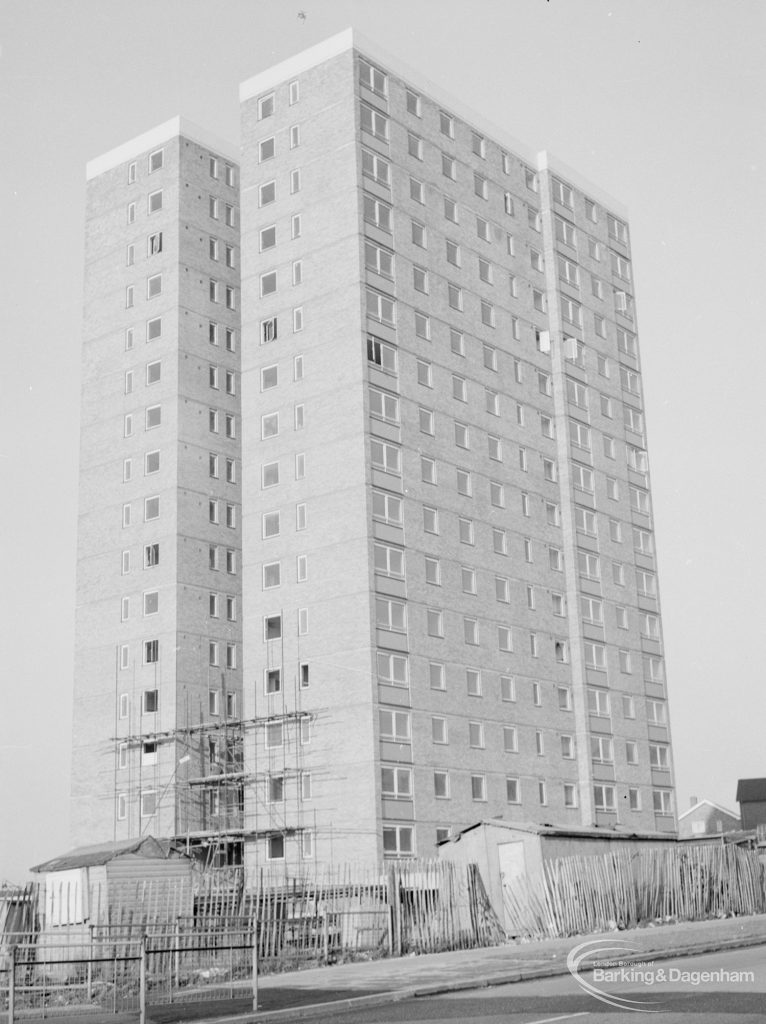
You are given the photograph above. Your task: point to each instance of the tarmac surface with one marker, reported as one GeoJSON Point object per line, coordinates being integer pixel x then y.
{"type": "Point", "coordinates": [324, 990]}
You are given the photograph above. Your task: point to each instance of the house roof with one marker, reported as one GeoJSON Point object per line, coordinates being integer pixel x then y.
{"type": "Point", "coordinates": [102, 853]}
{"type": "Point", "coordinates": [579, 832]}
{"type": "Point", "coordinates": [750, 790]}
{"type": "Point", "coordinates": [709, 803]}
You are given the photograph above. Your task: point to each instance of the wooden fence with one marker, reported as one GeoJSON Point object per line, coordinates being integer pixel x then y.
{"type": "Point", "coordinates": [415, 906]}
{"type": "Point", "coordinates": [581, 895]}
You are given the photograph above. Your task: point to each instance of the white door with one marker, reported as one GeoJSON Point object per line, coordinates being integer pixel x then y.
{"type": "Point", "coordinates": [513, 864]}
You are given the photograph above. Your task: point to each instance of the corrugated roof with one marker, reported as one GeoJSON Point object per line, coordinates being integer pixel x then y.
{"type": "Point", "coordinates": [102, 853]}
{"type": "Point", "coordinates": [575, 831]}
{"type": "Point", "coordinates": [749, 790]}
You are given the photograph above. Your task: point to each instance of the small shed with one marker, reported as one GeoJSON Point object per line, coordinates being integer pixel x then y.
{"type": "Point", "coordinates": [504, 850]}
{"type": "Point", "coordinates": [112, 883]}
{"type": "Point", "coordinates": [751, 797]}
{"type": "Point", "coordinates": [704, 818]}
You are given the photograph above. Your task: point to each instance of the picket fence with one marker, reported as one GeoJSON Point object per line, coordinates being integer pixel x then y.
{"type": "Point", "coordinates": [416, 906]}
{"type": "Point", "coordinates": [582, 895]}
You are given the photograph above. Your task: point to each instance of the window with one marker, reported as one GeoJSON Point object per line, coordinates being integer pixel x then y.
{"type": "Point", "coordinates": [430, 520]}
{"type": "Point", "coordinates": [398, 841]}
{"type": "Point", "coordinates": [604, 798]}
{"type": "Point", "coordinates": [441, 785]}
{"type": "Point", "coordinates": [483, 229]}
{"type": "Point", "coordinates": [424, 373]}
{"type": "Point", "coordinates": [592, 610]}
{"type": "Point", "coordinates": [270, 425]}
{"type": "Point", "coordinates": [387, 507]}
{"type": "Point", "coordinates": [390, 614]}
{"type": "Point", "coordinates": [394, 725]}
{"type": "Point", "coordinates": [373, 79]}
{"type": "Point", "coordinates": [150, 702]}
{"type": "Point", "coordinates": [436, 676]}
{"type": "Point", "coordinates": [439, 730]}
{"type": "Point", "coordinates": [388, 561]}
{"type": "Point", "coordinates": [447, 124]}
{"type": "Point", "coordinates": [464, 482]}
{"type": "Point", "coordinates": [598, 703]}
{"type": "Point", "coordinates": [155, 201]}
{"type": "Point", "coordinates": [510, 739]}
{"type": "Point", "coordinates": [601, 750]}
{"type": "Point", "coordinates": [153, 286]}
{"type": "Point", "coordinates": [422, 325]}
{"type": "Point", "coordinates": [275, 848]}
{"type": "Point", "coordinates": [386, 457]}
{"type": "Point", "coordinates": [478, 787]}
{"type": "Point", "coordinates": [396, 783]}
{"type": "Point", "coordinates": [148, 803]}
{"type": "Point", "coordinates": [426, 421]}
{"type": "Point", "coordinates": [450, 210]}
{"type": "Point", "coordinates": [378, 260]}
{"type": "Point", "coordinates": [381, 353]}
{"type": "Point", "coordinates": [539, 743]}
{"type": "Point", "coordinates": [374, 166]}
{"type": "Point", "coordinates": [414, 146]}
{"type": "Point", "coordinates": [496, 494]}
{"type": "Point", "coordinates": [507, 688]}
{"type": "Point", "coordinates": [565, 232]}
{"type": "Point", "coordinates": [419, 234]}
{"type": "Point", "coordinates": [631, 752]}
{"type": "Point", "coordinates": [373, 122]}
{"type": "Point", "coordinates": [270, 524]}
{"type": "Point", "coordinates": [476, 734]}
{"type": "Point", "coordinates": [495, 448]}
{"type": "Point", "coordinates": [392, 668]}
{"type": "Point", "coordinates": [417, 191]}
{"type": "Point", "coordinates": [512, 791]}
{"type": "Point", "coordinates": [267, 193]}
{"type": "Point", "coordinates": [662, 801]}
{"type": "Point", "coordinates": [272, 575]}
{"type": "Point", "coordinates": [487, 314]}
{"type": "Point", "coordinates": [449, 167]}
{"type": "Point", "coordinates": [617, 229]}
{"type": "Point", "coordinates": [435, 622]}
{"type": "Point", "coordinates": [504, 639]}
{"type": "Point", "coordinates": [381, 307]}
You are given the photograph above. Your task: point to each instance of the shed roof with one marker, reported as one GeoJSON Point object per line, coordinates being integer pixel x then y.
{"type": "Point", "coordinates": [102, 853]}
{"type": "Point", "coordinates": [750, 790]}
{"type": "Point", "coordinates": [575, 831]}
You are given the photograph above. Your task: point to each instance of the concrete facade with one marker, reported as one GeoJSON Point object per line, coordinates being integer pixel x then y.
{"type": "Point", "coordinates": [159, 442]}
{"type": "Point", "coordinates": [447, 566]}
{"type": "Point", "coordinates": [458, 553]}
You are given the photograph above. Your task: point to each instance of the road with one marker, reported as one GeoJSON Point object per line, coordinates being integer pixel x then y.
{"type": "Point", "coordinates": [735, 995]}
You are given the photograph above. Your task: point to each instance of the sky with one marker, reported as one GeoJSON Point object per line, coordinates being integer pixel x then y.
{"type": "Point", "coordinates": [659, 102]}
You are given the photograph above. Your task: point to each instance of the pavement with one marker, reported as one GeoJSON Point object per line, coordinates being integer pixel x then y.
{"type": "Point", "coordinates": [325, 991]}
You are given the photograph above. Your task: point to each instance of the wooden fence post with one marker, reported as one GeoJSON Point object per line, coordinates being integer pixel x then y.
{"type": "Point", "coordinates": [255, 968]}
{"type": "Point", "coordinates": [90, 964]}
{"type": "Point", "coordinates": [142, 983]}
{"type": "Point", "coordinates": [12, 988]}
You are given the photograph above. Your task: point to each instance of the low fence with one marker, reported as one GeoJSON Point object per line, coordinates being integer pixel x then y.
{"type": "Point", "coordinates": [582, 895]}
{"type": "Point", "coordinates": [125, 975]}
